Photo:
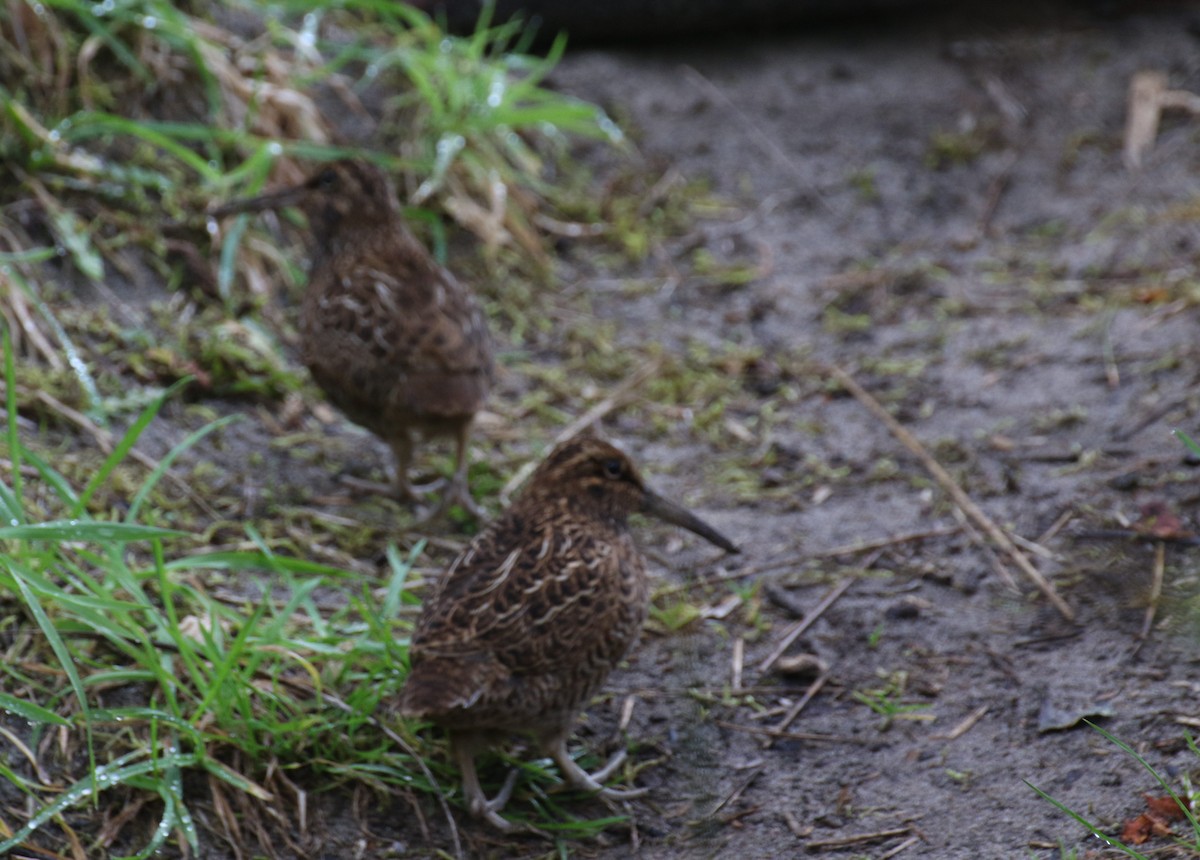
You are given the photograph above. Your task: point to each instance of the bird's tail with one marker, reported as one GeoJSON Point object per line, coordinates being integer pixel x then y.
{"type": "Point", "coordinates": [441, 687]}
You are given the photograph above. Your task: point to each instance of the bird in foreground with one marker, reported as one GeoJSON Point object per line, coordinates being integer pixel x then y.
{"type": "Point", "coordinates": [392, 338]}
{"type": "Point", "coordinates": [525, 625]}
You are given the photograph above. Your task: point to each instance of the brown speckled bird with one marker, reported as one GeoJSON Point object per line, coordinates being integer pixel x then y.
{"type": "Point", "coordinates": [526, 624]}
{"type": "Point", "coordinates": [391, 337]}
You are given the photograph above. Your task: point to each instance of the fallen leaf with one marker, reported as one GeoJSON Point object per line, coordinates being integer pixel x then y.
{"type": "Point", "coordinates": [1156, 821]}
{"type": "Point", "coordinates": [1165, 807]}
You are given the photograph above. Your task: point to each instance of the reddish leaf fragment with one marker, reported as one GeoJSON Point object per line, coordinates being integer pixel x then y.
{"type": "Point", "coordinates": [1138, 830]}
{"type": "Point", "coordinates": [1156, 821]}
{"type": "Point", "coordinates": [1165, 807]}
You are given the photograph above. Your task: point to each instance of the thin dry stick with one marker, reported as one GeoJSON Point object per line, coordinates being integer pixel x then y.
{"type": "Point", "coordinates": [794, 825]}
{"type": "Point", "coordinates": [798, 627]}
{"type": "Point", "coordinates": [993, 559]}
{"type": "Point", "coordinates": [1156, 584]}
{"type": "Point", "coordinates": [793, 736]}
{"type": "Point", "coordinates": [965, 726]}
{"type": "Point", "coordinates": [854, 840]}
{"type": "Point", "coordinates": [739, 653]}
{"type": "Point", "coordinates": [737, 792]}
{"type": "Point", "coordinates": [1056, 526]}
{"type": "Point", "coordinates": [903, 846]}
{"type": "Point", "coordinates": [608, 404]}
{"type": "Point", "coordinates": [832, 552]}
{"type": "Point", "coordinates": [952, 489]}
{"type": "Point", "coordinates": [1033, 547]}
{"type": "Point", "coordinates": [794, 710]}
{"type": "Point", "coordinates": [884, 543]}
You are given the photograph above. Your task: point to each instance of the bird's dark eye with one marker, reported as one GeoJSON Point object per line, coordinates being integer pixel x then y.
{"type": "Point", "coordinates": [326, 179]}
{"type": "Point", "coordinates": [613, 468]}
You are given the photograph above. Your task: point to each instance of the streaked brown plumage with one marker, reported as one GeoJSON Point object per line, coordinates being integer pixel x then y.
{"type": "Point", "coordinates": [392, 338]}
{"type": "Point", "coordinates": [526, 624]}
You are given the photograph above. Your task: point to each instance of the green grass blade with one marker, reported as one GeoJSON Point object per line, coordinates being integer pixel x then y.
{"type": "Point", "coordinates": [60, 649]}
{"type": "Point", "coordinates": [87, 530]}
{"type": "Point", "coordinates": [161, 469]}
{"type": "Point", "coordinates": [108, 776]}
{"type": "Point", "coordinates": [1184, 807]}
{"type": "Point", "coordinates": [400, 571]}
{"type": "Point", "coordinates": [54, 479]}
{"type": "Point", "coordinates": [89, 124]}
{"type": "Point", "coordinates": [1097, 832]}
{"type": "Point", "coordinates": [12, 499]}
{"type": "Point", "coordinates": [235, 560]}
{"type": "Point", "coordinates": [1188, 441]}
{"type": "Point", "coordinates": [122, 449]}
{"type": "Point", "coordinates": [79, 368]}
{"type": "Point", "coordinates": [30, 711]}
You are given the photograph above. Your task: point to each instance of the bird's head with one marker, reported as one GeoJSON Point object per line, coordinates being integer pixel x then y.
{"type": "Point", "coordinates": [338, 196]}
{"type": "Point", "coordinates": [598, 477]}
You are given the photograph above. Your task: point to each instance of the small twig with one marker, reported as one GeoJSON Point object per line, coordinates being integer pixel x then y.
{"type": "Point", "coordinates": [993, 559]}
{"type": "Point", "coordinates": [1156, 584]}
{"type": "Point", "coordinates": [1033, 547]}
{"type": "Point", "coordinates": [794, 825]}
{"type": "Point", "coordinates": [782, 598]}
{"type": "Point", "coordinates": [626, 712]}
{"type": "Point", "coordinates": [903, 846]}
{"type": "Point", "coordinates": [617, 398]}
{"type": "Point", "coordinates": [1056, 526]}
{"type": "Point", "coordinates": [793, 736]}
{"type": "Point", "coordinates": [800, 558]}
{"type": "Point", "coordinates": [794, 710]}
{"type": "Point", "coordinates": [737, 792]}
{"type": "Point", "coordinates": [817, 845]}
{"type": "Point", "coordinates": [884, 543]}
{"type": "Point", "coordinates": [951, 488]}
{"type": "Point", "coordinates": [968, 723]}
{"type": "Point", "coordinates": [798, 627]}
{"type": "Point", "coordinates": [739, 653]}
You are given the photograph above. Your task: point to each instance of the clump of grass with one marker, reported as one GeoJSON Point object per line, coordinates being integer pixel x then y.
{"type": "Point", "coordinates": [238, 689]}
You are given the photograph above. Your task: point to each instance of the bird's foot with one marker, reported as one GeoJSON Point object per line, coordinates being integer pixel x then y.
{"type": "Point", "coordinates": [489, 810]}
{"type": "Point", "coordinates": [458, 493]}
{"type": "Point", "coordinates": [585, 781]}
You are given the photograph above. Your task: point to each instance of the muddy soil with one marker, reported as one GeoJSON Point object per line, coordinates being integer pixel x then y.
{"type": "Point", "coordinates": [1028, 311]}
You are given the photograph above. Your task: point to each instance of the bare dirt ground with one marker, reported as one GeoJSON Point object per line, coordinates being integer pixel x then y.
{"type": "Point", "coordinates": [938, 205]}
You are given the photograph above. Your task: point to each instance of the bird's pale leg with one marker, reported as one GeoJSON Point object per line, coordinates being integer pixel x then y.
{"type": "Point", "coordinates": [457, 491]}
{"type": "Point", "coordinates": [400, 486]}
{"type": "Point", "coordinates": [581, 779]}
{"type": "Point", "coordinates": [477, 803]}
{"type": "Point", "coordinates": [403, 488]}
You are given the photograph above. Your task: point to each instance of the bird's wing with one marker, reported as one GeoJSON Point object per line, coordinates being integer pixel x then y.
{"type": "Point", "coordinates": [396, 332]}
{"type": "Point", "coordinates": [534, 604]}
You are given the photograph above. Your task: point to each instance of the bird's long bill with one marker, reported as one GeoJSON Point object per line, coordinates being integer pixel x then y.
{"type": "Point", "coordinates": [271, 200]}
{"type": "Point", "coordinates": [668, 511]}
